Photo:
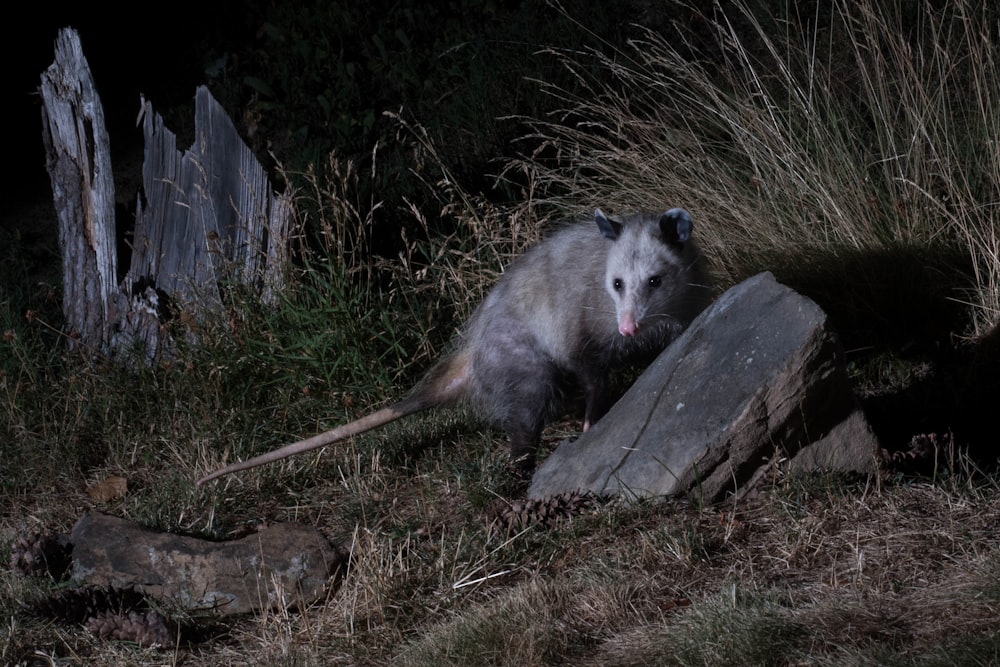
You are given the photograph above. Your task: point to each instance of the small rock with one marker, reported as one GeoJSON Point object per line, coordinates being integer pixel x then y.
{"type": "Point", "coordinates": [283, 565]}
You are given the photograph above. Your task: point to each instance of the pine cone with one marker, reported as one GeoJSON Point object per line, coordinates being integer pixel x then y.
{"type": "Point", "coordinates": [76, 605]}
{"type": "Point", "coordinates": [37, 555]}
{"type": "Point", "coordinates": [147, 628]}
{"type": "Point", "coordinates": [546, 512]}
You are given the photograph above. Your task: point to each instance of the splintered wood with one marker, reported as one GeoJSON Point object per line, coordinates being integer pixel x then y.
{"type": "Point", "coordinates": [204, 217]}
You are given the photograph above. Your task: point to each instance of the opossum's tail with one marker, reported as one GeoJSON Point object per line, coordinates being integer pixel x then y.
{"type": "Point", "coordinates": [445, 384]}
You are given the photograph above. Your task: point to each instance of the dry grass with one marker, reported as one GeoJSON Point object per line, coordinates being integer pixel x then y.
{"type": "Point", "coordinates": [814, 570]}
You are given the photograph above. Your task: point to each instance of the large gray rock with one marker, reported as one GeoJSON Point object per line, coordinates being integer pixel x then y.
{"type": "Point", "coordinates": [284, 564]}
{"type": "Point", "coordinates": [758, 377]}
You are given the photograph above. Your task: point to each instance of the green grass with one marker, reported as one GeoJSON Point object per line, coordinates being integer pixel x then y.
{"type": "Point", "coordinates": [868, 201]}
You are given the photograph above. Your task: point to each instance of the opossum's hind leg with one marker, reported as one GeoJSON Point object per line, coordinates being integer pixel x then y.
{"type": "Point", "coordinates": [516, 387]}
{"type": "Point", "coordinates": [526, 405]}
{"type": "Point", "coordinates": [523, 446]}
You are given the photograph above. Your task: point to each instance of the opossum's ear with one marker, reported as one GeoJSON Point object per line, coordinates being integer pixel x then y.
{"type": "Point", "coordinates": [676, 226]}
{"type": "Point", "coordinates": [609, 228]}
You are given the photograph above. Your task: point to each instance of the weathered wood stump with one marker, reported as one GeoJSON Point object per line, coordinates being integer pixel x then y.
{"type": "Point", "coordinates": [204, 218]}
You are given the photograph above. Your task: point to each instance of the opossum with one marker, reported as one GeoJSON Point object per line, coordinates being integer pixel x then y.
{"type": "Point", "coordinates": [580, 302]}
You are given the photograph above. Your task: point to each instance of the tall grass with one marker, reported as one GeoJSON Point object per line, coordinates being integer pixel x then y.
{"type": "Point", "coordinates": [869, 127]}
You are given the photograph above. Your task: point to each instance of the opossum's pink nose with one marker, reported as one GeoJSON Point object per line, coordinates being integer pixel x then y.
{"type": "Point", "coordinates": [627, 325]}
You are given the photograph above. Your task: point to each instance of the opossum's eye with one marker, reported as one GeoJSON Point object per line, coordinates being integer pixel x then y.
{"type": "Point", "coordinates": [655, 281]}
{"type": "Point", "coordinates": [617, 284]}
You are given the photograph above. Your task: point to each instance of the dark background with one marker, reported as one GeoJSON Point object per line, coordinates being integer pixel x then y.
{"type": "Point", "coordinates": [154, 50]}
{"type": "Point", "coordinates": [312, 79]}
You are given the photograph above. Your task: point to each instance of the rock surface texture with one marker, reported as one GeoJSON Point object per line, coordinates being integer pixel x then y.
{"type": "Point", "coordinates": [757, 381]}
{"type": "Point", "coordinates": [283, 565]}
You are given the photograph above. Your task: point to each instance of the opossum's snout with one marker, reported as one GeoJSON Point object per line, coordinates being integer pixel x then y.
{"type": "Point", "coordinates": [627, 325]}
{"type": "Point", "coordinates": [631, 312]}
{"type": "Point", "coordinates": [629, 309]}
